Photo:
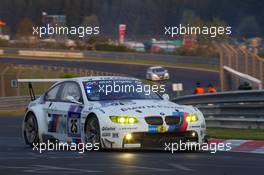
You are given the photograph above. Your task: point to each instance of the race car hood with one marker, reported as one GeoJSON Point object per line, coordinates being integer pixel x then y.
{"type": "Point", "coordinates": [143, 107]}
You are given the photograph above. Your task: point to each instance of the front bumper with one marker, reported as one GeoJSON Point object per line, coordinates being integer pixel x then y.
{"type": "Point", "coordinates": [146, 140]}
{"type": "Point", "coordinates": [160, 77]}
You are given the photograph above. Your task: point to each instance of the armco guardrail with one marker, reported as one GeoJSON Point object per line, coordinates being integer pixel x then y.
{"type": "Point", "coordinates": [236, 109]}
{"type": "Point", "coordinates": [51, 54]}
{"type": "Point", "coordinates": [14, 103]}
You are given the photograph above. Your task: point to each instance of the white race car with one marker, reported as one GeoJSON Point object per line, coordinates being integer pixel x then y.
{"type": "Point", "coordinates": [78, 110]}
{"type": "Point", "coordinates": [157, 73]}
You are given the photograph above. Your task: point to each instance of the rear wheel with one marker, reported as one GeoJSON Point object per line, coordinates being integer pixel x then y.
{"type": "Point", "coordinates": [92, 132]}
{"type": "Point", "coordinates": [31, 130]}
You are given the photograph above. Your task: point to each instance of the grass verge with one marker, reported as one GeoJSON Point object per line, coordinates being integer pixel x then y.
{"type": "Point", "coordinates": [244, 134]}
{"type": "Point", "coordinates": [19, 112]}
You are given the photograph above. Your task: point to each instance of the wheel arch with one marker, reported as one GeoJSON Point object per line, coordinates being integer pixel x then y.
{"type": "Point", "coordinates": [42, 126]}
{"type": "Point", "coordinates": [92, 114]}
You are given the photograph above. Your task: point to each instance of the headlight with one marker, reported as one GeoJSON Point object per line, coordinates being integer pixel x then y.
{"type": "Point", "coordinates": [124, 119]}
{"type": "Point", "coordinates": [192, 118]}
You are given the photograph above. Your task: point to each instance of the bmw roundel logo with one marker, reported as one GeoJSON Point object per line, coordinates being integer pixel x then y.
{"type": "Point", "coordinates": [162, 113]}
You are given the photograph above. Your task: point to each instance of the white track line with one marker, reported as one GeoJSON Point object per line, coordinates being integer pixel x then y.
{"type": "Point", "coordinates": [181, 167]}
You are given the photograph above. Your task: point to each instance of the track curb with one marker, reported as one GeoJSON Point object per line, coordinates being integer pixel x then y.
{"type": "Point", "coordinates": [245, 146]}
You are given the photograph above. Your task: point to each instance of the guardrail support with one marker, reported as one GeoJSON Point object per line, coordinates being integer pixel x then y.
{"type": "Point", "coordinates": [221, 70]}
{"type": "Point", "coordinates": [3, 81]}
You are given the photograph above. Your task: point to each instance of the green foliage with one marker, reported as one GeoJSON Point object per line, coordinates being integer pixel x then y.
{"type": "Point", "coordinates": [195, 21]}
{"type": "Point", "coordinates": [255, 134]}
{"type": "Point", "coordinates": [218, 22]}
{"type": "Point", "coordinates": [197, 50]}
{"type": "Point", "coordinates": [249, 27]}
{"type": "Point", "coordinates": [143, 17]}
{"type": "Point", "coordinates": [3, 43]}
{"type": "Point", "coordinates": [97, 40]}
{"type": "Point", "coordinates": [69, 75]}
{"type": "Point", "coordinates": [111, 47]}
{"type": "Point", "coordinates": [24, 27]}
{"type": "Point", "coordinates": [91, 20]}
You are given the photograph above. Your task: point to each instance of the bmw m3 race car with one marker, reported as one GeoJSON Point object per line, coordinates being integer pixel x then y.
{"type": "Point", "coordinates": [87, 110]}
{"type": "Point", "coordinates": [155, 73]}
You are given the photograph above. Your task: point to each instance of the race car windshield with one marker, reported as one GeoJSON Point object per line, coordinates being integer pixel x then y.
{"type": "Point", "coordinates": [158, 70]}
{"type": "Point", "coordinates": [100, 90]}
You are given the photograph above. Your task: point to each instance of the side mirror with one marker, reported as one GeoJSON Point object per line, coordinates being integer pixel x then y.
{"type": "Point", "coordinates": [72, 99]}
{"type": "Point", "coordinates": [166, 97]}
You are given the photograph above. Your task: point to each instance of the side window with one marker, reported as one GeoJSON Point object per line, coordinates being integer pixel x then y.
{"type": "Point", "coordinates": [149, 70]}
{"type": "Point", "coordinates": [52, 93]}
{"type": "Point", "coordinates": [71, 89]}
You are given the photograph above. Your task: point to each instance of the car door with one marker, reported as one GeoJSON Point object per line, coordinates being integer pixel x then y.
{"type": "Point", "coordinates": [148, 73]}
{"type": "Point", "coordinates": [70, 111]}
{"type": "Point", "coordinates": [56, 121]}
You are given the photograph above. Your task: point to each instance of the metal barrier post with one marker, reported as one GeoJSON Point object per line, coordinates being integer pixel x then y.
{"type": "Point", "coordinates": [3, 81]}
{"type": "Point", "coordinates": [221, 69]}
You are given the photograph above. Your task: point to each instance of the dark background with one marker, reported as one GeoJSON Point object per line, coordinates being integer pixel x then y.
{"type": "Point", "coordinates": [142, 17]}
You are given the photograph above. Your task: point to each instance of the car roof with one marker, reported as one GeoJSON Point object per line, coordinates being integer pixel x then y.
{"type": "Point", "coordinates": [94, 78]}
{"type": "Point", "coordinates": [156, 67]}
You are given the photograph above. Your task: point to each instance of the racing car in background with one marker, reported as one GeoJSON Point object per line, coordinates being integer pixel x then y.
{"type": "Point", "coordinates": [77, 110]}
{"type": "Point", "coordinates": [157, 73]}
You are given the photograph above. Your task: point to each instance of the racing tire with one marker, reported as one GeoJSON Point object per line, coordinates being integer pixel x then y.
{"type": "Point", "coordinates": [31, 134]}
{"type": "Point", "coordinates": [92, 132]}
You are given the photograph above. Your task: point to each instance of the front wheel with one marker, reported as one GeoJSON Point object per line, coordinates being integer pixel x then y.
{"type": "Point", "coordinates": [92, 132]}
{"type": "Point", "coordinates": [31, 130]}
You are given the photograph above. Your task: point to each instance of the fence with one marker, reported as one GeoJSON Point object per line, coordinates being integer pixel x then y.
{"type": "Point", "coordinates": [241, 60]}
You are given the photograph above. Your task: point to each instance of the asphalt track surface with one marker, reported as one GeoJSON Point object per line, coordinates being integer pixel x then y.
{"type": "Point", "coordinates": [188, 77]}
{"type": "Point", "coordinates": [16, 158]}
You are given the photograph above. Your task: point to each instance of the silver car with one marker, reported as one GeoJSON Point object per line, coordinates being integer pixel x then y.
{"type": "Point", "coordinates": [157, 73]}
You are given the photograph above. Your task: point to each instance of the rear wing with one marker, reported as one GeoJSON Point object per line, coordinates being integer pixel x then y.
{"type": "Point", "coordinates": [14, 84]}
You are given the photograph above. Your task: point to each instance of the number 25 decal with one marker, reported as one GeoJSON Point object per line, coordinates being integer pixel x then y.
{"type": "Point", "coordinates": [74, 126]}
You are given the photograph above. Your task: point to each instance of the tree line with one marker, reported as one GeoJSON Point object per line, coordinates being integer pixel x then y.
{"type": "Point", "coordinates": [142, 17]}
